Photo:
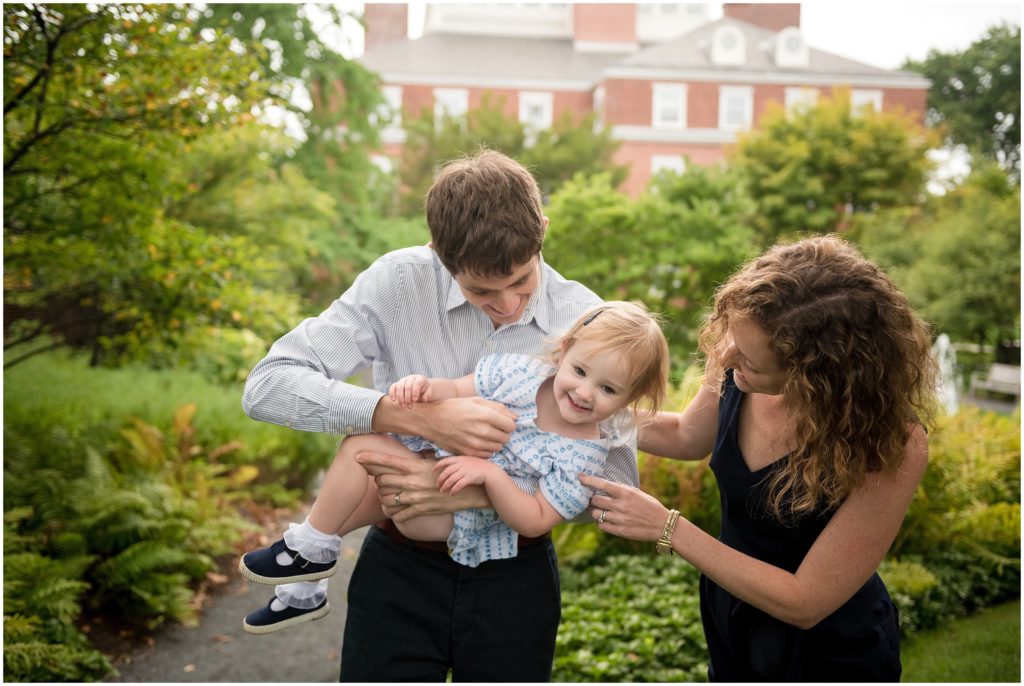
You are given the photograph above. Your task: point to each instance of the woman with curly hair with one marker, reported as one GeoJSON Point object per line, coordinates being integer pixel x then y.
{"type": "Point", "coordinates": [818, 386]}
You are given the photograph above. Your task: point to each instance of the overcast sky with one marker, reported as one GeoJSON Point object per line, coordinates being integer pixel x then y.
{"type": "Point", "coordinates": [880, 33]}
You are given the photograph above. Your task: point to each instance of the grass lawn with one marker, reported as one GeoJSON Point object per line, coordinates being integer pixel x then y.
{"type": "Point", "coordinates": [982, 647]}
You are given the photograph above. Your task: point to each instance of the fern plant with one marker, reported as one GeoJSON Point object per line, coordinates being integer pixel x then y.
{"type": "Point", "coordinates": [42, 599]}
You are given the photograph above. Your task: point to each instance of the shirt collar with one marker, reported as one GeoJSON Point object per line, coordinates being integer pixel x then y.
{"type": "Point", "coordinates": [536, 308]}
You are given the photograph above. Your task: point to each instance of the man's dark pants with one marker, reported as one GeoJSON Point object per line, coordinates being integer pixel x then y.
{"type": "Point", "coordinates": [414, 613]}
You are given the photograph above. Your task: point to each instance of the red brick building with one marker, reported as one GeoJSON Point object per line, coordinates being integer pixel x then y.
{"type": "Point", "coordinates": [671, 84]}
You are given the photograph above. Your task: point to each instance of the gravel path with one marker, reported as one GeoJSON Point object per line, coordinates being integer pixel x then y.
{"type": "Point", "coordinates": [218, 650]}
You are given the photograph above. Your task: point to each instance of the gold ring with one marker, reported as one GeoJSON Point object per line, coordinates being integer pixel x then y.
{"type": "Point", "coordinates": [600, 520]}
{"type": "Point", "coordinates": [398, 499]}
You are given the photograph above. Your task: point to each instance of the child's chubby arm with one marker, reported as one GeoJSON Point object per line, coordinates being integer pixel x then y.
{"type": "Point", "coordinates": [416, 388]}
{"type": "Point", "coordinates": [529, 514]}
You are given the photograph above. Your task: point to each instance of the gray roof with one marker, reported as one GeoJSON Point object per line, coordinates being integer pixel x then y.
{"type": "Point", "coordinates": [450, 54]}
{"type": "Point", "coordinates": [693, 51]}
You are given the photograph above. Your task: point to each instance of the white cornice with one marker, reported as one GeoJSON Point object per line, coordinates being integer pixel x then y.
{"type": "Point", "coordinates": [647, 134]}
{"type": "Point", "coordinates": [782, 78]}
{"type": "Point", "coordinates": [606, 46]}
{"type": "Point", "coordinates": [513, 83]}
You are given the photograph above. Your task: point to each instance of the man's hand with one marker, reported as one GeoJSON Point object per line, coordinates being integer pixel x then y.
{"type": "Point", "coordinates": [414, 479]}
{"type": "Point", "coordinates": [469, 426]}
{"type": "Point", "coordinates": [456, 473]}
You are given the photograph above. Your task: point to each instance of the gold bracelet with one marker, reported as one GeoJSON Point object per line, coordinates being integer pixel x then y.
{"type": "Point", "coordinates": [664, 544]}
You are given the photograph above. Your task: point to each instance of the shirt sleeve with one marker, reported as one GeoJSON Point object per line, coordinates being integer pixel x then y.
{"type": "Point", "coordinates": [620, 467]}
{"type": "Point", "coordinates": [300, 383]}
{"type": "Point", "coordinates": [561, 486]}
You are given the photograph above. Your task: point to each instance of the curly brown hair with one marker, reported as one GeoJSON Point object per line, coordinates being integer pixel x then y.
{"type": "Point", "coordinates": [856, 360]}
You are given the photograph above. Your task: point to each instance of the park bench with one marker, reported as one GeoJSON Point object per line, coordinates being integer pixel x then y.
{"type": "Point", "coordinates": [1000, 378]}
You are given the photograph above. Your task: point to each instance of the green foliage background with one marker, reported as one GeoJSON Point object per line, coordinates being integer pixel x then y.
{"type": "Point", "coordinates": [159, 235]}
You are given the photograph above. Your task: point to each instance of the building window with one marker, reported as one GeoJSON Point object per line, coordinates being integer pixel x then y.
{"type": "Point", "coordinates": [451, 102]}
{"type": "Point", "coordinates": [536, 110]}
{"type": "Point", "coordinates": [383, 163]}
{"type": "Point", "coordinates": [599, 107]}
{"type": "Point", "coordinates": [735, 107]}
{"type": "Point", "coordinates": [673, 163]}
{"type": "Point", "coordinates": [728, 47]}
{"type": "Point", "coordinates": [801, 98]}
{"type": "Point", "coordinates": [668, 106]}
{"type": "Point", "coordinates": [391, 111]}
{"type": "Point", "coordinates": [866, 98]}
{"type": "Point", "coordinates": [790, 48]}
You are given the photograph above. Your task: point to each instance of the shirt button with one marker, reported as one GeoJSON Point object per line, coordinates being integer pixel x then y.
{"type": "Point", "coordinates": [349, 429]}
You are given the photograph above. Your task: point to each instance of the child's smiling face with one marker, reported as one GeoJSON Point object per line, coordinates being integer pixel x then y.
{"type": "Point", "coordinates": [591, 384]}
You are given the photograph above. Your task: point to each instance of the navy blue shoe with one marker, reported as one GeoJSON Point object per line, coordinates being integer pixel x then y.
{"type": "Point", "coordinates": [262, 566]}
{"type": "Point", "coordinates": [266, 621]}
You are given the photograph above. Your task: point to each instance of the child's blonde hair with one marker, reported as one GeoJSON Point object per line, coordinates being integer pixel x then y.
{"type": "Point", "coordinates": [630, 329]}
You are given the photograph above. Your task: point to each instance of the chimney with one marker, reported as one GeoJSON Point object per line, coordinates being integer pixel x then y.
{"type": "Point", "coordinates": [774, 16]}
{"type": "Point", "coordinates": [385, 22]}
{"type": "Point", "coordinates": [604, 27]}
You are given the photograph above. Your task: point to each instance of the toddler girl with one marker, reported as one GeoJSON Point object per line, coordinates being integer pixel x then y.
{"type": "Point", "coordinates": [572, 408]}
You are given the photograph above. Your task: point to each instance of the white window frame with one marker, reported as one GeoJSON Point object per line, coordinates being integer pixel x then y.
{"type": "Point", "coordinates": [729, 93]}
{"type": "Point", "coordinates": [674, 163]}
{"type": "Point", "coordinates": [671, 96]}
{"type": "Point", "coordinates": [453, 102]}
{"type": "Point", "coordinates": [390, 110]}
{"type": "Point", "coordinates": [859, 97]}
{"type": "Point", "coordinates": [599, 100]}
{"type": "Point", "coordinates": [800, 97]}
{"type": "Point", "coordinates": [529, 100]}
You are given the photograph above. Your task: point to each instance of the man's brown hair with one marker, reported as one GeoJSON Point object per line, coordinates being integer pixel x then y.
{"type": "Point", "coordinates": [485, 215]}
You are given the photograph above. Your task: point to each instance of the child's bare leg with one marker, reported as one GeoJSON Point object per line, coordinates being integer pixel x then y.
{"type": "Point", "coordinates": [422, 528]}
{"type": "Point", "coordinates": [344, 491]}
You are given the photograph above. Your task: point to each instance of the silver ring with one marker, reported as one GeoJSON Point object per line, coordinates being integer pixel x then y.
{"type": "Point", "coordinates": [600, 520]}
{"type": "Point", "coordinates": [398, 499]}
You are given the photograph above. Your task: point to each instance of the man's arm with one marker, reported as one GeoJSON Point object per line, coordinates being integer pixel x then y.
{"type": "Point", "coordinates": [301, 381]}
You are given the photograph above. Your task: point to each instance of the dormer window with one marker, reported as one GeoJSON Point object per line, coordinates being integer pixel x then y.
{"type": "Point", "coordinates": [728, 46]}
{"type": "Point", "coordinates": [790, 48]}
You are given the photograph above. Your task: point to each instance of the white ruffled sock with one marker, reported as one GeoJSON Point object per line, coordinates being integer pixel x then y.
{"type": "Point", "coordinates": [302, 595]}
{"type": "Point", "coordinates": [314, 545]}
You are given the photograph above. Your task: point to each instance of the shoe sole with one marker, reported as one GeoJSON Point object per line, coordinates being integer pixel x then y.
{"type": "Point", "coordinates": [274, 581]}
{"type": "Point", "coordinates": [285, 623]}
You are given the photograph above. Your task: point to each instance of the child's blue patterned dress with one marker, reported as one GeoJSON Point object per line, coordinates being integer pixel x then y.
{"type": "Point", "coordinates": [557, 461]}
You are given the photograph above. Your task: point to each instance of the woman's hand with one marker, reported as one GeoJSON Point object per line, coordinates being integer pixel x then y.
{"type": "Point", "coordinates": [414, 482]}
{"type": "Point", "coordinates": [626, 511]}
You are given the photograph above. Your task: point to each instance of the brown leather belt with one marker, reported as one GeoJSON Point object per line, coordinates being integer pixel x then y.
{"type": "Point", "coordinates": [388, 527]}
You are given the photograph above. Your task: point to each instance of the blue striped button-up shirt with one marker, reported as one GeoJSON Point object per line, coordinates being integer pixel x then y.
{"type": "Point", "coordinates": [404, 315]}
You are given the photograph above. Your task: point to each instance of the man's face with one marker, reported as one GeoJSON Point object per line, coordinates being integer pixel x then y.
{"type": "Point", "coordinates": [502, 298]}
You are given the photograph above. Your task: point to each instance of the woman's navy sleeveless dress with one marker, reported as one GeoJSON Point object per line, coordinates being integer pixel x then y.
{"type": "Point", "coordinates": [857, 642]}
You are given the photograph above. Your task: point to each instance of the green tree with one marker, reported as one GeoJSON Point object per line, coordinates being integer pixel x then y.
{"type": "Point", "coordinates": [975, 95]}
{"type": "Point", "coordinates": [338, 96]}
{"type": "Point", "coordinates": [670, 248]}
{"type": "Point", "coordinates": [958, 257]}
{"type": "Point", "coordinates": [141, 202]}
{"type": "Point", "coordinates": [811, 169]}
{"type": "Point", "coordinates": [572, 145]}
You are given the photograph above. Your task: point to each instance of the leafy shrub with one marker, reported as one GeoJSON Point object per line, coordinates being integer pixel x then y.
{"type": "Point", "coordinates": [630, 618]}
{"type": "Point", "coordinates": [41, 602]}
{"type": "Point", "coordinates": [93, 404]}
